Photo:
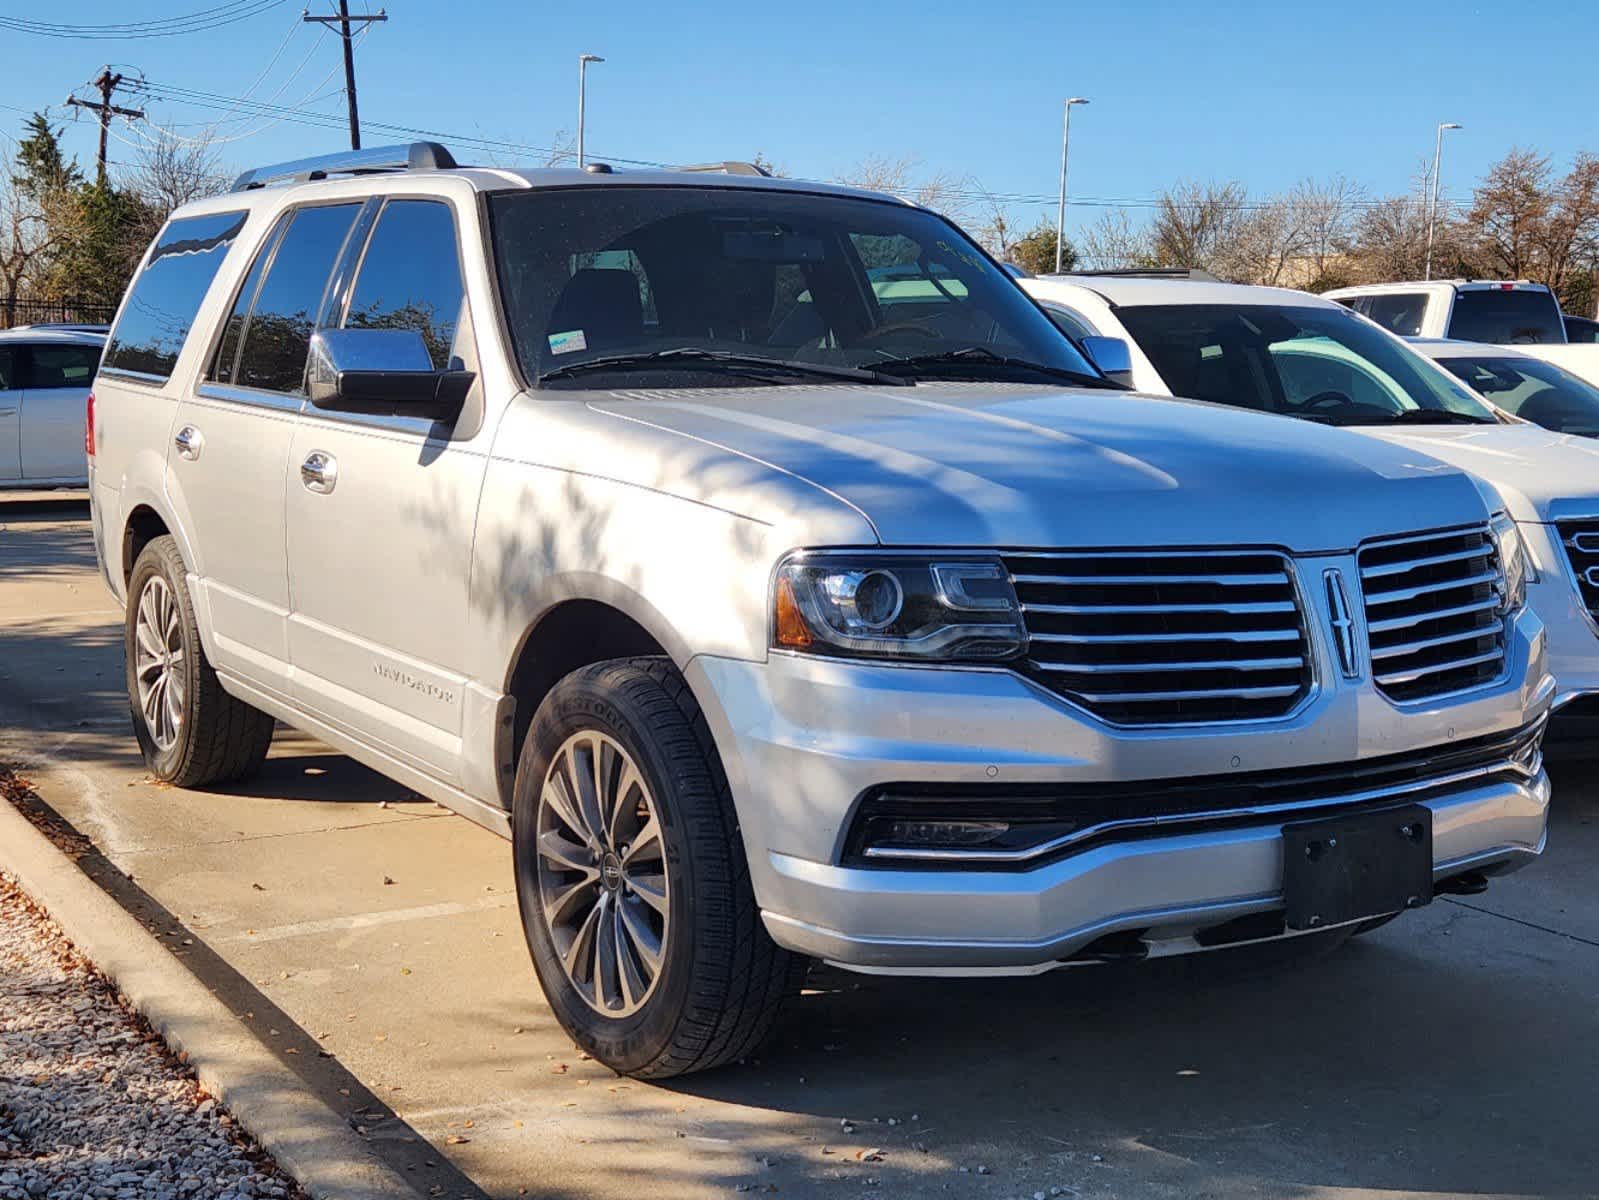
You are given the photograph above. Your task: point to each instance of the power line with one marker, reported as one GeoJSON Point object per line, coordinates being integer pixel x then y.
{"type": "Point", "coordinates": [345, 22]}
{"type": "Point", "coordinates": [195, 22]}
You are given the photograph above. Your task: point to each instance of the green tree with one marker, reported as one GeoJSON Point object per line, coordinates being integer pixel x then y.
{"type": "Point", "coordinates": [43, 170]}
{"type": "Point", "coordinates": [1034, 251]}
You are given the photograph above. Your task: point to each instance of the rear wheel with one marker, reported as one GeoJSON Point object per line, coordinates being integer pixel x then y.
{"type": "Point", "coordinates": [630, 869]}
{"type": "Point", "coordinates": [191, 731]}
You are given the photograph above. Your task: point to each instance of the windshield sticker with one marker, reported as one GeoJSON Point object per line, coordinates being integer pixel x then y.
{"type": "Point", "coordinates": [569, 342]}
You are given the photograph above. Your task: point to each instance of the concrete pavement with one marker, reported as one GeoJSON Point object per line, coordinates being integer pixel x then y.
{"type": "Point", "coordinates": [1454, 1052]}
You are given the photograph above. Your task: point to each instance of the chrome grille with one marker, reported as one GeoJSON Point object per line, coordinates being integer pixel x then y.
{"type": "Point", "coordinates": [1165, 637]}
{"type": "Point", "coordinates": [1433, 613]}
{"type": "Point", "coordinates": [1581, 540]}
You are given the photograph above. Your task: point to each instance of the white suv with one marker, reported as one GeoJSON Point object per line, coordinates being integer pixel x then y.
{"type": "Point", "coordinates": [761, 561]}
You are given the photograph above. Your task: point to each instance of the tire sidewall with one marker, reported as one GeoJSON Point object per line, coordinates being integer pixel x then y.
{"type": "Point", "coordinates": [580, 703]}
{"type": "Point", "coordinates": [158, 558]}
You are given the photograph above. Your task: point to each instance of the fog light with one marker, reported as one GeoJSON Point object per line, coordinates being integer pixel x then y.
{"type": "Point", "coordinates": [945, 833]}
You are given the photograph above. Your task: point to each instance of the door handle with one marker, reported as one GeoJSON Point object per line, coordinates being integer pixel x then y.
{"type": "Point", "coordinates": [319, 472]}
{"type": "Point", "coordinates": [189, 441]}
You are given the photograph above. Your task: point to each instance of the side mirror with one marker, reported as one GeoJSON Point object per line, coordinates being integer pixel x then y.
{"type": "Point", "coordinates": [382, 372]}
{"type": "Point", "coordinates": [1112, 356]}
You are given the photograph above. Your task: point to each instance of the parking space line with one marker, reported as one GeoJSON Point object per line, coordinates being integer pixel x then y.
{"type": "Point", "coordinates": [368, 920]}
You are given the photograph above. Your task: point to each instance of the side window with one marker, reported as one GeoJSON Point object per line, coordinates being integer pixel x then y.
{"type": "Point", "coordinates": [8, 372]}
{"type": "Point", "coordinates": [410, 276]}
{"type": "Point", "coordinates": [62, 366]}
{"type": "Point", "coordinates": [1398, 312]}
{"type": "Point", "coordinates": [277, 334]}
{"type": "Point", "coordinates": [161, 305]}
{"type": "Point", "coordinates": [1068, 322]}
{"type": "Point", "coordinates": [227, 359]}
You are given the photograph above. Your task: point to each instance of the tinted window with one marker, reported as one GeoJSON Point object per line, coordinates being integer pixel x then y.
{"type": "Point", "coordinates": [1524, 315]}
{"type": "Point", "coordinates": [411, 276]}
{"type": "Point", "coordinates": [755, 273]}
{"type": "Point", "coordinates": [8, 380]}
{"type": "Point", "coordinates": [1399, 313]}
{"type": "Point", "coordinates": [1068, 323]}
{"type": "Point", "coordinates": [1535, 391]}
{"type": "Point", "coordinates": [162, 304]}
{"type": "Point", "coordinates": [226, 362]}
{"type": "Point", "coordinates": [277, 336]}
{"type": "Point", "coordinates": [1324, 364]}
{"type": "Point", "coordinates": [1580, 329]}
{"type": "Point", "coordinates": [62, 366]}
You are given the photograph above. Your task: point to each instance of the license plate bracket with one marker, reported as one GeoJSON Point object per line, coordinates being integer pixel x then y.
{"type": "Point", "coordinates": [1345, 868]}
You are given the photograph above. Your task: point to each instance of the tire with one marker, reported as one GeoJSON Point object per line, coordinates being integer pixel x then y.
{"type": "Point", "coordinates": [191, 731]}
{"type": "Point", "coordinates": [718, 979]}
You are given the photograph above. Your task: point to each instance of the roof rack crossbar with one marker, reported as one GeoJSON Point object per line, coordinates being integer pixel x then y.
{"type": "Point", "coordinates": [1197, 273]}
{"type": "Point", "coordinates": [730, 167]}
{"type": "Point", "coordinates": [413, 156]}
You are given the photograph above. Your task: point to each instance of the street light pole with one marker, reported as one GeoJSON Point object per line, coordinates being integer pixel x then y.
{"type": "Point", "coordinates": [583, 61]}
{"type": "Point", "coordinates": [1060, 216]}
{"type": "Point", "coordinates": [1432, 209]}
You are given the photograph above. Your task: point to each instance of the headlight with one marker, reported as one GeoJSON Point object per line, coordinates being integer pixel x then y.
{"type": "Point", "coordinates": [1513, 561]}
{"type": "Point", "coordinates": [948, 607]}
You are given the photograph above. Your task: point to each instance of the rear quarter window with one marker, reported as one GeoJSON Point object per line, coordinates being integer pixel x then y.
{"type": "Point", "coordinates": [1397, 312]}
{"type": "Point", "coordinates": [161, 305]}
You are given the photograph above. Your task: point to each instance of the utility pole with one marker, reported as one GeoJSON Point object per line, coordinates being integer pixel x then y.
{"type": "Point", "coordinates": [1432, 208]}
{"type": "Point", "coordinates": [345, 20]}
{"type": "Point", "coordinates": [108, 85]}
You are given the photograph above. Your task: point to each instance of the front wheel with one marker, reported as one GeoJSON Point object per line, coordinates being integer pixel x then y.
{"type": "Point", "coordinates": [191, 731]}
{"type": "Point", "coordinates": [631, 877]}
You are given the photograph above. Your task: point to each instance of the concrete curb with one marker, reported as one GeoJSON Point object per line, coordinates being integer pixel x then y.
{"type": "Point", "coordinates": [308, 1139]}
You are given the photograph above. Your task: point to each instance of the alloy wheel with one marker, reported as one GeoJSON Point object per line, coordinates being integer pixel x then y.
{"type": "Point", "coordinates": [159, 662]}
{"type": "Point", "coordinates": [602, 873]}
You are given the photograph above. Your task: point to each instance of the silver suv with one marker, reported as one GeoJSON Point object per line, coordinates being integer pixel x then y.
{"type": "Point", "coordinates": [757, 557]}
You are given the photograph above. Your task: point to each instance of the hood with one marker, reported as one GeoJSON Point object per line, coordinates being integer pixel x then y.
{"type": "Point", "coordinates": [963, 464]}
{"type": "Point", "coordinates": [1534, 470]}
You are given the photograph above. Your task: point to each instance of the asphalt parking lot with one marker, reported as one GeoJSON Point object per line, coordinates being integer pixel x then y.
{"type": "Point", "coordinates": [371, 939]}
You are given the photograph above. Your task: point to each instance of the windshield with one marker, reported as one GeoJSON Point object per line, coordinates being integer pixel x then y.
{"type": "Point", "coordinates": [1519, 316]}
{"type": "Point", "coordinates": [1323, 364]}
{"type": "Point", "coordinates": [699, 286]}
{"type": "Point", "coordinates": [1534, 390]}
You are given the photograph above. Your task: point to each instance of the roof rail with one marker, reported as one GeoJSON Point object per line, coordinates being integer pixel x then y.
{"type": "Point", "coordinates": [1195, 273]}
{"type": "Point", "coordinates": [415, 156]}
{"type": "Point", "coordinates": [730, 167]}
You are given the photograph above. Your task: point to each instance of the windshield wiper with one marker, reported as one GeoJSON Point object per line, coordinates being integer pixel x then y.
{"type": "Point", "coordinates": [693, 357]}
{"type": "Point", "coordinates": [1437, 416]}
{"type": "Point", "coordinates": [982, 357]}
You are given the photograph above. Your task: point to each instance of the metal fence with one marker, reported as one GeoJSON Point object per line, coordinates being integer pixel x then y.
{"type": "Point", "coordinates": [43, 312]}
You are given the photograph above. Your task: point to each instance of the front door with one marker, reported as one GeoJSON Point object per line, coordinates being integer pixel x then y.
{"type": "Point", "coordinates": [380, 518]}
{"type": "Point", "coordinates": [10, 416]}
{"type": "Point", "coordinates": [56, 389]}
{"type": "Point", "coordinates": [233, 437]}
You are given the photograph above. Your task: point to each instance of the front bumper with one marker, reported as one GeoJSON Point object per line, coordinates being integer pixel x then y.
{"type": "Point", "coordinates": [805, 739]}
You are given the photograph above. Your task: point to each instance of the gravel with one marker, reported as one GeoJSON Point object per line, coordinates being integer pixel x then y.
{"type": "Point", "coordinates": [92, 1104]}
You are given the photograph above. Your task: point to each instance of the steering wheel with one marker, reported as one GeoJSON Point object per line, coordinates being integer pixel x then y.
{"type": "Point", "coordinates": [897, 327]}
{"type": "Point", "coordinates": [1326, 400]}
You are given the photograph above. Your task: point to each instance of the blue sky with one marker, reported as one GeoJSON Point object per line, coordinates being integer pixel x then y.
{"type": "Point", "coordinates": [1262, 93]}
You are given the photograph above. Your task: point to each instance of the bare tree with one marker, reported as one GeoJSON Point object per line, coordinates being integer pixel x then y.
{"type": "Point", "coordinates": [35, 223]}
{"type": "Point", "coordinates": [1330, 213]}
{"type": "Point", "coordinates": [1509, 209]}
{"type": "Point", "coordinates": [1115, 242]}
{"type": "Point", "coordinates": [1568, 238]}
{"type": "Point", "coordinates": [941, 191]}
{"type": "Point", "coordinates": [168, 171]}
{"type": "Point", "coordinates": [1193, 221]}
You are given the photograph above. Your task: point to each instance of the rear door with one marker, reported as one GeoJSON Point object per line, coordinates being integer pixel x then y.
{"type": "Point", "coordinates": [56, 381]}
{"type": "Point", "coordinates": [10, 416]}
{"type": "Point", "coordinates": [230, 455]}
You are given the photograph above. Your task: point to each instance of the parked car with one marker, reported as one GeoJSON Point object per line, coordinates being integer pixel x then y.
{"type": "Point", "coordinates": [773, 621]}
{"type": "Point", "coordinates": [45, 375]}
{"type": "Point", "coordinates": [1520, 384]}
{"type": "Point", "coordinates": [1287, 352]}
{"type": "Point", "coordinates": [1468, 310]}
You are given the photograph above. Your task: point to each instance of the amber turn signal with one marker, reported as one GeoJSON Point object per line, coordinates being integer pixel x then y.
{"type": "Point", "coordinates": [792, 631]}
